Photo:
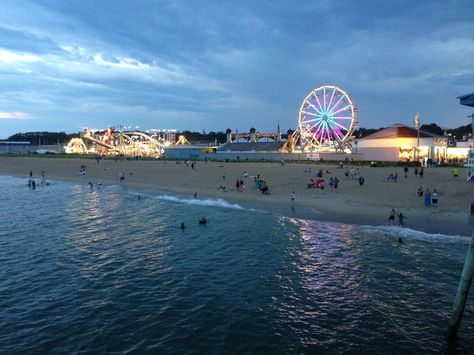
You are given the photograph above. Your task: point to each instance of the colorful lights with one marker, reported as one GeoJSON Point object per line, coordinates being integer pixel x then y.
{"type": "Point", "coordinates": [327, 117]}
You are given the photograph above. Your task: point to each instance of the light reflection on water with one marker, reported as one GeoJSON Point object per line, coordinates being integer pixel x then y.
{"type": "Point", "coordinates": [101, 271]}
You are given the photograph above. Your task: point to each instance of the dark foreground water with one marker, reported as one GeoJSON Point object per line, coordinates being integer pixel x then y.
{"type": "Point", "coordinates": [101, 271]}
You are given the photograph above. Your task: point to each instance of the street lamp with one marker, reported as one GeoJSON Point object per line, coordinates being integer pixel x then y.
{"type": "Point", "coordinates": [417, 126]}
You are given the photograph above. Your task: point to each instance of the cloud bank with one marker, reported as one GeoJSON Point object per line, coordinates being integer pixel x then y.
{"type": "Point", "coordinates": [207, 65]}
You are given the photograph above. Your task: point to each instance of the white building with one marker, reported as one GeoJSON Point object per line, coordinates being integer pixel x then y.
{"type": "Point", "coordinates": [399, 143]}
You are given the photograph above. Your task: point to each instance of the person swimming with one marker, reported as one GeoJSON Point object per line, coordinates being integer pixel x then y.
{"type": "Point", "coordinates": [202, 220]}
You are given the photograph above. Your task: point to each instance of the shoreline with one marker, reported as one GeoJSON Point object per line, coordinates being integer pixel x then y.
{"type": "Point", "coordinates": [286, 210]}
{"type": "Point", "coordinates": [352, 204]}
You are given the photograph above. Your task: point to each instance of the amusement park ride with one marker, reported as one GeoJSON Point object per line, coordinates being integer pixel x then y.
{"type": "Point", "coordinates": [327, 119]}
{"type": "Point", "coordinates": [128, 143]}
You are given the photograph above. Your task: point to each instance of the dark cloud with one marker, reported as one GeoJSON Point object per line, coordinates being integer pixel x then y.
{"type": "Point", "coordinates": [211, 65]}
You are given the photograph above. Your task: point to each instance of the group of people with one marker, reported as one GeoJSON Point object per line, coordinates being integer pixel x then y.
{"type": "Point", "coordinates": [32, 182]}
{"type": "Point", "coordinates": [239, 185]}
{"type": "Point", "coordinates": [202, 222]}
{"type": "Point", "coordinates": [261, 185]}
{"type": "Point", "coordinates": [430, 197]}
{"type": "Point", "coordinates": [393, 214]}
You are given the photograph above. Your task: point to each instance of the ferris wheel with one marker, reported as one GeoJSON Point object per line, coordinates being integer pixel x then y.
{"type": "Point", "coordinates": [327, 118]}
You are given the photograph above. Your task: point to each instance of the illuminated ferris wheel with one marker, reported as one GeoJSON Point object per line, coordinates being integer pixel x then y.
{"type": "Point", "coordinates": [326, 119]}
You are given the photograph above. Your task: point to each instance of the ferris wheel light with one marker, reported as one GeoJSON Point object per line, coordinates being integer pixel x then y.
{"type": "Point", "coordinates": [319, 123]}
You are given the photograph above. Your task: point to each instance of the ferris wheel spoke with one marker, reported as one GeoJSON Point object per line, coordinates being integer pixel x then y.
{"type": "Point", "coordinates": [342, 109]}
{"type": "Point", "coordinates": [321, 138]}
{"type": "Point", "coordinates": [342, 117]}
{"type": "Point", "coordinates": [329, 131]}
{"type": "Point", "coordinates": [314, 107]}
{"type": "Point", "coordinates": [330, 101]}
{"type": "Point", "coordinates": [337, 103]}
{"type": "Point", "coordinates": [309, 113]}
{"type": "Point", "coordinates": [340, 125]}
{"type": "Point", "coordinates": [311, 120]}
{"type": "Point", "coordinates": [319, 102]}
{"type": "Point", "coordinates": [318, 125]}
{"type": "Point", "coordinates": [324, 98]}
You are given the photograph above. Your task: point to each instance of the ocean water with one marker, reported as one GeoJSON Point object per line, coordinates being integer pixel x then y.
{"type": "Point", "coordinates": [101, 271]}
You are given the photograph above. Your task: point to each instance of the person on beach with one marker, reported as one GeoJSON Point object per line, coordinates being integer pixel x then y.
{"type": "Point", "coordinates": [121, 176]}
{"type": "Point", "coordinates": [43, 178]}
{"type": "Point", "coordinates": [420, 192]}
{"type": "Point", "coordinates": [336, 182]}
{"type": "Point", "coordinates": [237, 185]}
{"type": "Point", "coordinates": [422, 171]}
{"type": "Point", "coordinates": [391, 217]}
{"type": "Point", "coordinates": [195, 195]}
{"type": "Point", "coordinates": [31, 173]}
{"type": "Point", "coordinates": [405, 170]}
{"type": "Point", "coordinates": [293, 196]}
{"type": "Point", "coordinates": [455, 172]}
{"type": "Point", "coordinates": [427, 197]}
{"type": "Point", "coordinates": [361, 181]}
{"type": "Point", "coordinates": [401, 218]}
{"type": "Point", "coordinates": [416, 171]}
{"type": "Point", "coordinates": [241, 185]}
{"type": "Point", "coordinates": [434, 198]}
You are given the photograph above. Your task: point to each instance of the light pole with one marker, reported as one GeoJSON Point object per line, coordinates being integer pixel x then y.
{"type": "Point", "coordinates": [417, 126]}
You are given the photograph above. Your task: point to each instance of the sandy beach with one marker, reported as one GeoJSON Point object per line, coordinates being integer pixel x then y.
{"type": "Point", "coordinates": [350, 202]}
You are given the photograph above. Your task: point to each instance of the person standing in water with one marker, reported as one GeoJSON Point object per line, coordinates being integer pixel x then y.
{"type": "Point", "coordinates": [391, 217]}
{"type": "Point", "coordinates": [401, 218]}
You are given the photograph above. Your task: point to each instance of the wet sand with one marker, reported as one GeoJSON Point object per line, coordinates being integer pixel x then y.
{"type": "Point", "coordinates": [350, 203]}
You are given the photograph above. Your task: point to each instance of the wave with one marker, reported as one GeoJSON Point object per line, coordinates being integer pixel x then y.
{"type": "Point", "coordinates": [415, 234]}
{"type": "Point", "coordinates": [201, 202]}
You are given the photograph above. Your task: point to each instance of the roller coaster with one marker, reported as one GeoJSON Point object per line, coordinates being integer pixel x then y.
{"type": "Point", "coordinates": [121, 143]}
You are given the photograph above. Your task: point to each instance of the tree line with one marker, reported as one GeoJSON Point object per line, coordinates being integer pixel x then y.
{"type": "Point", "coordinates": [51, 138]}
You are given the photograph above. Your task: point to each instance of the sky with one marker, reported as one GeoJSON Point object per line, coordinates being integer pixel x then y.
{"type": "Point", "coordinates": [213, 65]}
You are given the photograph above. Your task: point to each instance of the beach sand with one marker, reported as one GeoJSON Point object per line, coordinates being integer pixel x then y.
{"type": "Point", "coordinates": [350, 203]}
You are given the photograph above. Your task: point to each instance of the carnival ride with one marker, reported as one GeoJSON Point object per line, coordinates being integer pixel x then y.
{"type": "Point", "coordinates": [326, 120]}
{"type": "Point", "coordinates": [127, 143]}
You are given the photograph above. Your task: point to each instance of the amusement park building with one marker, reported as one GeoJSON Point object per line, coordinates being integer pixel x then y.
{"type": "Point", "coordinates": [399, 143]}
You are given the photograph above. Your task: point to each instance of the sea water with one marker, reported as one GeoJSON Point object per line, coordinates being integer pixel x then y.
{"type": "Point", "coordinates": [101, 270]}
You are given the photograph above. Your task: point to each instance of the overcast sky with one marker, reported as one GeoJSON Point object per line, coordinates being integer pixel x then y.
{"type": "Point", "coordinates": [217, 64]}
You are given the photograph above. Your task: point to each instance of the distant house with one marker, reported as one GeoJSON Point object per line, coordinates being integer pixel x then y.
{"type": "Point", "coordinates": [399, 142]}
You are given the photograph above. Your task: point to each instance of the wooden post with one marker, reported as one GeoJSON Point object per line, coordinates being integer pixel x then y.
{"type": "Point", "coordinates": [463, 291]}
